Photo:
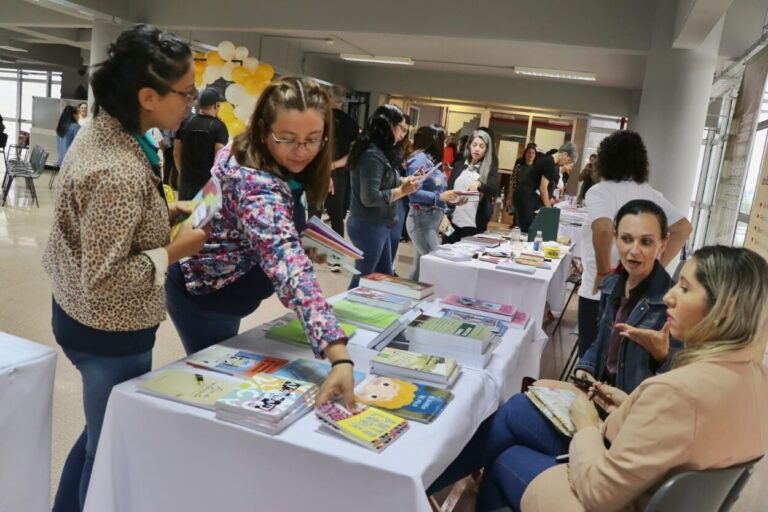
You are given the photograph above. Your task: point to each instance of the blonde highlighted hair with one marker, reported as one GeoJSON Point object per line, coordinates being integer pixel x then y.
{"type": "Point", "coordinates": [736, 281]}
{"type": "Point", "coordinates": [289, 93]}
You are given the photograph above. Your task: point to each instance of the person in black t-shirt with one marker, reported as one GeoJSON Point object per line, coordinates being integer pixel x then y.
{"type": "Point", "coordinates": [544, 177]}
{"type": "Point", "coordinates": [198, 140]}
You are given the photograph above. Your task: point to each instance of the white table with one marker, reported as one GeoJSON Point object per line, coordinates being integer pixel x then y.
{"type": "Point", "coordinates": [26, 400]}
{"type": "Point", "coordinates": [529, 292]}
{"type": "Point", "coordinates": [571, 221]}
{"type": "Point", "coordinates": [158, 455]}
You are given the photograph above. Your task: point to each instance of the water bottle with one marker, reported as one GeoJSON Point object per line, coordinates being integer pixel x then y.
{"type": "Point", "coordinates": [537, 241]}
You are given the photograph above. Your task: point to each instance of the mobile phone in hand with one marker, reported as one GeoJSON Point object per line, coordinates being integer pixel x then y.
{"type": "Point", "coordinates": [581, 383]}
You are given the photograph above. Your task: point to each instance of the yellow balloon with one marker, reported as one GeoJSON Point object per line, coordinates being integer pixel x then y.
{"type": "Point", "coordinates": [198, 80]}
{"type": "Point", "coordinates": [214, 59]}
{"type": "Point", "coordinates": [235, 127]}
{"type": "Point", "coordinates": [254, 86]}
{"type": "Point", "coordinates": [264, 72]}
{"type": "Point", "coordinates": [226, 112]}
{"type": "Point", "coordinates": [200, 66]}
{"type": "Point", "coordinates": [240, 74]}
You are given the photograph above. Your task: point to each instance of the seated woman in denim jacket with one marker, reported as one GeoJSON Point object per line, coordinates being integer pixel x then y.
{"type": "Point", "coordinates": [633, 341]}
{"type": "Point", "coordinates": [428, 203]}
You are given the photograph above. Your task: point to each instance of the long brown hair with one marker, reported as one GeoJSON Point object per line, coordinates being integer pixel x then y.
{"type": "Point", "coordinates": [290, 93]}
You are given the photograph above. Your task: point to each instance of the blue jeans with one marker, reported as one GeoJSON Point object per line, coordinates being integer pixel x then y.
{"type": "Point", "coordinates": [514, 445]}
{"type": "Point", "coordinates": [374, 240]}
{"type": "Point", "coordinates": [99, 374]}
{"type": "Point", "coordinates": [197, 326]}
{"type": "Point", "coordinates": [397, 230]}
{"type": "Point", "coordinates": [423, 226]}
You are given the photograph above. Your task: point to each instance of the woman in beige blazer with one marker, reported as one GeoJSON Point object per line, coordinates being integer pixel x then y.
{"type": "Point", "coordinates": [710, 411]}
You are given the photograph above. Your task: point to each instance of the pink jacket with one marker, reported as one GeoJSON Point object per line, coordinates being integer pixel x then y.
{"type": "Point", "coordinates": [709, 414]}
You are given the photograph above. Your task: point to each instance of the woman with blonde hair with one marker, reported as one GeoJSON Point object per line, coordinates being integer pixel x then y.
{"type": "Point", "coordinates": [710, 411]}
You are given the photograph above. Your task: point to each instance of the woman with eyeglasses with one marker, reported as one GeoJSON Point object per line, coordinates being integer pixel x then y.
{"type": "Point", "coordinates": [254, 248]}
{"type": "Point", "coordinates": [110, 246]}
{"type": "Point", "coordinates": [376, 187]}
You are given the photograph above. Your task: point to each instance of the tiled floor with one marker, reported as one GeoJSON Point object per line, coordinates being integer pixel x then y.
{"type": "Point", "coordinates": [25, 310]}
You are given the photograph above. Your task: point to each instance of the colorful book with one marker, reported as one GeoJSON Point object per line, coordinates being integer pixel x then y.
{"type": "Point", "coordinates": [380, 299]}
{"type": "Point", "coordinates": [521, 320]}
{"type": "Point", "coordinates": [293, 332]}
{"type": "Point", "coordinates": [499, 327]}
{"type": "Point", "coordinates": [457, 335]}
{"type": "Point", "coordinates": [403, 398]}
{"type": "Point", "coordinates": [554, 403]}
{"type": "Point", "coordinates": [511, 266]}
{"type": "Point", "coordinates": [362, 315]}
{"type": "Point", "coordinates": [233, 361]}
{"type": "Point", "coordinates": [189, 387]}
{"type": "Point", "coordinates": [206, 203]}
{"type": "Point", "coordinates": [366, 426]}
{"type": "Point", "coordinates": [327, 242]}
{"type": "Point", "coordinates": [310, 370]}
{"type": "Point", "coordinates": [483, 240]}
{"type": "Point", "coordinates": [505, 312]}
{"type": "Point", "coordinates": [420, 368]}
{"type": "Point", "coordinates": [397, 285]}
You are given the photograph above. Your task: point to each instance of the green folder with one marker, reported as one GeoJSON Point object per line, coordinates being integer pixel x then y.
{"type": "Point", "coordinates": [364, 315]}
{"type": "Point", "coordinates": [293, 332]}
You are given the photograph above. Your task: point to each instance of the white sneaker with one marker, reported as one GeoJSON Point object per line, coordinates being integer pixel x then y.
{"type": "Point", "coordinates": [334, 267]}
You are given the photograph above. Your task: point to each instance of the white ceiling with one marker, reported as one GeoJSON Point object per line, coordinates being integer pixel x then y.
{"type": "Point", "coordinates": [608, 37]}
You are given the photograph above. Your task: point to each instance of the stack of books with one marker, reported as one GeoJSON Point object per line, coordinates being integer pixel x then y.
{"type": "Point", "coordinates": [533, 259]}
{"type": "Point", "coordinates": [379, 299]}
{"type": "Point", "coordinates": [554, 404]}
{"type": "Point", "coordinates": [436, 371]}
{"type": "Point", "coordinates": [337, 249]}
{"type": "Point", "coordinates": [233, 361]}
{"type": "Point", "coordinates": [397, 285]}
{"type": "Point", "coordinates": [485, 240]}
{"type": "Point", "coordinates": [366, 426]}
{"type": "Point", "coordinates": [460, 251]}
{"type": "Point", "coordinates": [293, 332]}
{"type": "Point", "coordinates": [484, 312]}
{"type": "Point", "coordinates": [498, 327]}
{"type": "Point", "coordinates": [403, 398]}
{"type": "Point", "coordinates": [189, 388]}
{"type": "Point", "coordinates": [468, 343]}
{"type": "Point", "coordinates": [365, 316]}
{"type": "Point", "coordinates": [267, 403]}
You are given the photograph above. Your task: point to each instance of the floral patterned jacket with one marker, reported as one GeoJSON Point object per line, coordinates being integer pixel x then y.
{"type": "Point", "coordinates": [255, 227]}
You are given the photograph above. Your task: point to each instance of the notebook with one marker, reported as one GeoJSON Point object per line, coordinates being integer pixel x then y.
{"type": "Point", "coordinates": [554, 404]}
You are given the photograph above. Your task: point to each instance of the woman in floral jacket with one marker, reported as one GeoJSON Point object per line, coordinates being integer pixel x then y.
{"type": "Point", "coordinates": [254, 248]}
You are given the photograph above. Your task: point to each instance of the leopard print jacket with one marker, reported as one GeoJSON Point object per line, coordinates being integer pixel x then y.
{"type": "Point", "coordinates": [107, 211]}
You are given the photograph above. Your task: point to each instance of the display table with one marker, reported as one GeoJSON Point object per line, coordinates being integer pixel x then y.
{"type": "Point", "coordinates": [26, 400]}
{"type": "Point", "coordinates": [571, 221]}
{"type": "Point", "coordinates": [479, 279]}
{"type": "Point", "coordinates": [159, 455]}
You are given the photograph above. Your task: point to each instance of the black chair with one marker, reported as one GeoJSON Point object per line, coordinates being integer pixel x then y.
{"type": "Point", "coordinates": [29, 172]}
{"type": "Point", "coordinates": [714, 490]}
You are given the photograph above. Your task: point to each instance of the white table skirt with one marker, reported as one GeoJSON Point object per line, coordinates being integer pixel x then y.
{"type": "Point", "coordinates": [482, 280]}
{"type": "Point", "coordinates": [26, 401]}
{"type": "Point", "coordinates": [158, 455]}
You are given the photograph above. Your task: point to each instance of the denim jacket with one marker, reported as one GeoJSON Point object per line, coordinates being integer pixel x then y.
{"type": "Point", "coordinates": [428, 194]}
{"type": "Point", "coordinates": [635, 364]}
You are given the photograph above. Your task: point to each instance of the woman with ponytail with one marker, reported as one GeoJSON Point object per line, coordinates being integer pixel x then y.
{"type": "Point", "coordinates": [110, 246]}
{"type": "Point", "coordinates": [376, 187]}
{"type": "Point", "coordinates": [254, 248]}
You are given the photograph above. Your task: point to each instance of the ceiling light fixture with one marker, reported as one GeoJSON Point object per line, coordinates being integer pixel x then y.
{"type": "Point", "coordinates": [377, 59]}
{"type": "Point", "coordinates": [11, 48]}
{"type": "Point", "coordinates": [556, 73]}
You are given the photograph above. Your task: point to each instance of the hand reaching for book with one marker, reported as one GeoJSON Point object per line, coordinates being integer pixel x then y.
{"type": "Point", "coordinates": [341, 380]}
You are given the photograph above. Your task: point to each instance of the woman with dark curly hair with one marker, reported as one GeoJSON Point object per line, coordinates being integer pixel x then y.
{"type": "Point", "coordinates": [622, 163]}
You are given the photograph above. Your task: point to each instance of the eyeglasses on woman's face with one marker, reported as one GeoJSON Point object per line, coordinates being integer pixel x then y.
{"type": "Point", "coordinates": [190, 96]}
{"type": "Point", "coordinates": [294, 145]}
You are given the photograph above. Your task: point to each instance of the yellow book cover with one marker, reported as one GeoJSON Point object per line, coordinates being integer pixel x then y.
{"type": "Point", "coordinates": [371, 425]}
{"type": "Point", "coordinates": [189, 387]}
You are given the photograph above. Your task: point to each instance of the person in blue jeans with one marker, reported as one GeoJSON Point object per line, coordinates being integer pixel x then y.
{"type": "Point", "coordinates": [375, 187]}
{"type": "Point", "coordinates": [109, 249]}
{"type": "Point", "coordinates": [428, 204]}
{"type": "Point", "coordinates": [398, 229]}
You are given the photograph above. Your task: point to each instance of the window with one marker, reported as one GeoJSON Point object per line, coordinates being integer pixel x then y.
{"type": "Point", "coordinates": [17, 115]}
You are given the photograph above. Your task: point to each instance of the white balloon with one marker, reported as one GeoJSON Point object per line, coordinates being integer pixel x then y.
{"type": "Point", "coordinates": [241, 53]}
{"type": "Point", "coordinates": [226, 71]}
{"type": "Point", "coordinates": [211, 74]}
{"type": "Point", "coordinates": [243, 112]}
{"type": "Point", "coordinates": [251, 63]}
{"type": "Point", "coordinates": [249, 102]}
{"type": "Point", "coordinates": [227, 50]}
{"type": "Point", "coordinates": [234, 94]}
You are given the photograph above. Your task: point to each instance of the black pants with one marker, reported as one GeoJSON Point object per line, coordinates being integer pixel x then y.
{"type": "Point", "coordinates": [170, 174]}
{"type": "Point", "coordinates": [336, 203]}
{"type": "Point", "coordinates": [459, 233]}
{"type": "Point", "coordinates": [588, 320]}
{"type": "Point", "coordinates": [526, 204]}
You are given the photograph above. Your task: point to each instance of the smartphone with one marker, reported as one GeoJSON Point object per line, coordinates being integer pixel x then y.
{"type": "Point", "coordinates": [449, 230]}
{"type": "Point", "coordinates": [427, 172]}
{"type": "Point", "coordinates": [581, 383]}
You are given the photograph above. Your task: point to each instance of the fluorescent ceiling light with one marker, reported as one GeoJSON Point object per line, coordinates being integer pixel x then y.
{"type": "Point", "coordinates": [354, 57]}
{"type": "Point", "coordinates": [12, 48]}
{"type": "Point", "coordinates": [556, 73]}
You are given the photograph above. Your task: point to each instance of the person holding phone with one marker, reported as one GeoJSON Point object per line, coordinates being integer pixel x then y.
{"type": "Point", "coordinates": [709, 411]}
{"type": "Point", "coordinates": [429, 203]}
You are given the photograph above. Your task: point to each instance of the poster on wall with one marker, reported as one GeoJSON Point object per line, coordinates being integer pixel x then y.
{"type": "Point", "coordinates": [757, 231]}
{"type": "Point", "coordinates": [725, 209]}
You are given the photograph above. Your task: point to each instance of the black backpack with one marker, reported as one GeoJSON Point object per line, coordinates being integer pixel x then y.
{"type": "Point", "coordinates": [199, 147]}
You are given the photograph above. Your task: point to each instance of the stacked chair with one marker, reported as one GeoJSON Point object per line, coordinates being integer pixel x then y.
{"type": "Point", "coordinates": [30, 169]}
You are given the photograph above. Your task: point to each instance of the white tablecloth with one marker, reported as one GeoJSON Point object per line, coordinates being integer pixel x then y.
{"type": "Point", "coordinates": [529, 292]}
{"type": "Point", "coordinates": [26, 400]}
{"type": "Point", "coordinates": [158, 455]}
